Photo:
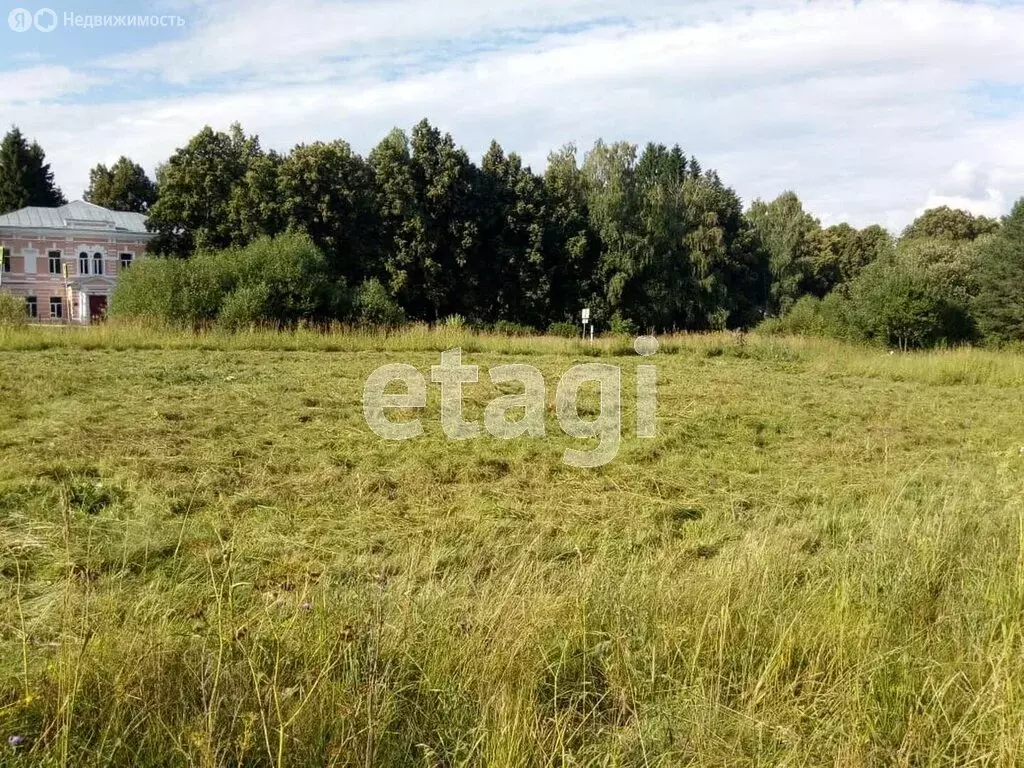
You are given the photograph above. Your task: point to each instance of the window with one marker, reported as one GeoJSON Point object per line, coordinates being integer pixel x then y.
{"type": "Point", "coordinates": [97, 263]}
{"type": "Point", "coordinates": [28, 258]}
{"type": "Point", "coordinates": [56, 306]}
{"type": "Point", "coordinates": [83, 263]}
{"type": "Point", "coordinates": [31, 306]}
{"type": "Point", "coordinates": [54, 258]}
{"type": "Point", "coordinates": [7, 259]}
{"type": "Point", "coordinates": [126, 260]}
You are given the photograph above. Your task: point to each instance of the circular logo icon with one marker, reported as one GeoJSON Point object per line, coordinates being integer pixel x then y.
{"type": "Point", "coordinates": [20, 20]}
{"type": "Point", "coordinates": [46, 20]}
{"type": "Point", "coordinates": [646, 346]}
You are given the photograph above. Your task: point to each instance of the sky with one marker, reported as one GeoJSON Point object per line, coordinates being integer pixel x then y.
{"type": "Point", "coordinates": [872, 111]}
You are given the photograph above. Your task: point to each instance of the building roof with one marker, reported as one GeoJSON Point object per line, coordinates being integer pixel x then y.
{"type": "Point", "coordinates": [78, 215]}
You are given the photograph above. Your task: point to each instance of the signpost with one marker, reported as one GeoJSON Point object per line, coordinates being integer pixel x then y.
{"type": "Point", "coordinates": [586, 319]}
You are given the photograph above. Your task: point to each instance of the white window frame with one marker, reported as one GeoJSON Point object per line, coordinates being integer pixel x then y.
{"type": "Point", "coordinates": [60, 261]}
{"type": "Point", "coordinates": [88, 257]}
{"type": "Point", "coordinates": [34, 304]}
{"type": "Point", "coordinates": [120, 260]}
{"type": "Point", "coordinates": [98, 256]}
{"type": "Point", "coordinates": [57, 301]}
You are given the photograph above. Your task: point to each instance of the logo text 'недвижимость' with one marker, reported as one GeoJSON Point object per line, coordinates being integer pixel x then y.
{"type": "Point", "coordinates": [47, 20]}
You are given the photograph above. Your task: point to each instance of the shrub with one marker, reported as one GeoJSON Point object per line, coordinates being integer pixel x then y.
{"type": "Point", "coordinates": [12, 310]}
{"type": "Point", "coordinates": [622, 326]}
{"type": "Point", "coordinates": [898, 305]}
{"type": "Point", "coordinates": [243, 308]}
{"type": "Point", "coordinates": [208, 278]}
{"type": "Point", "coordinates": [917, 298]}
{"type": "Point", "coordinates": [153, 287]}
{"type": "Point", "coordinates": [296, 276]}
{"type": "Point", "coordinates": [718, 320]}
{"type": "Point", "coordinates": [280, 280]}
{"type": "Point", "coordinates": [565, 330]}
{"type": "Point", "coordinates": [811, 316]}
{"type": "Point", "coordinates": [375, 306]}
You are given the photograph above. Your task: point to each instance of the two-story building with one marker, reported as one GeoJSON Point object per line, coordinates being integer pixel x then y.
{"type": "Point", "coordinates": [65, 261]}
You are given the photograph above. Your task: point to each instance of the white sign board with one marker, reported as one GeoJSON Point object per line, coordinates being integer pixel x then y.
{"type": "Point", "coordinates": [586, 315]}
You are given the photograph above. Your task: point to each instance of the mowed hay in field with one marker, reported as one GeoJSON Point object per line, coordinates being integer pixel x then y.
{"type": "Point", "coordinates": [207, 558]}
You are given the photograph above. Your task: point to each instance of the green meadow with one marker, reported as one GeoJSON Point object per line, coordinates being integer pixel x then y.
{"type": "Point", "coordinates": [208, 559]}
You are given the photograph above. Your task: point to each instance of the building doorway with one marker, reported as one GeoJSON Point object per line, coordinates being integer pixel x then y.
{"type": "Point", "coordinates": [97, 308]}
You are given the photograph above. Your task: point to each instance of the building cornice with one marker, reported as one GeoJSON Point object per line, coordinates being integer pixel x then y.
{"type": "Point", "coordinates": [91, 235]}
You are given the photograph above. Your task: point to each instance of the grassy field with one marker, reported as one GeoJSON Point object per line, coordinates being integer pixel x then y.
{"type": "Point", "coordinates": [207, 558]}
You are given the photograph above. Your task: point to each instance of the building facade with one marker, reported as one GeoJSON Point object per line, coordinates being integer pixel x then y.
{"type": "Point", "coordinates": [65, 261]}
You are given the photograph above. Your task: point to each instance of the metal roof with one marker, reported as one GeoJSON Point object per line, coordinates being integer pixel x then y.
{"type": "Point", "coordinates": [78, 215]}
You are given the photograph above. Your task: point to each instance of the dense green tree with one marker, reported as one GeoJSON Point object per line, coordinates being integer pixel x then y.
{"type": "Point", "coordinates": [397, 206]}
{"type": "Point", "coordinates": [196, 186]}
{"type": "Point", "coordinates": [676, 251]}
{"type": "Point", "coordinates": [25, 176]}
{"type": "Point", "coordinates": [945, 223]}
{"type": "Point", "coordinates": [790, 235]}
{"type": "Point", "coordinates": [42, 189]}
{"type": "Point", "coordinates": [514, 272]}
{"type": "Point", "coordinates": [839, 253]}
{"type": "Point", "coordinates": [704, 268]}
{"type": "Point", "coordinates": [999, 304]}
{"type": "Point", "coordinates": [572, 247]}
{"type": "Point", "coordinates": [948, 263]}
{"type": "Point", "coordinates": [613, 203]}
{"type": "Point", "coordinates": [732, 264]}
{"type": "Point", "coordinates": [691, 221]}
{"type": "Point", "coordinates": [429, 222]}
{"type": "Point", "coordinates": [876, 243]}
{"type": "Point", "coordinates": [831, 250]}
{"type": "Point", "coordinates": [897, 304]}
{"type": "Point", "coordinates": [256, 205]}
{"type": "Point", "coordinates": [124, 186]}
{"type": "Point", "coordinates": [327, 190]}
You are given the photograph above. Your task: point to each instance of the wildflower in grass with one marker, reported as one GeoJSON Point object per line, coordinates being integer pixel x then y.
{"type": "Point", "coordinates": [306, 606]}
{"type": "Point", "coordinates": [16, 741]}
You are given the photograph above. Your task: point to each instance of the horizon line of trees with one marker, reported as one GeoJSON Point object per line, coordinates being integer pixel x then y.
{"type": "Point", "coordinates": [647, 238]}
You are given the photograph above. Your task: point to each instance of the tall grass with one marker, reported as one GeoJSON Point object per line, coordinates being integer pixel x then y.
{"type": "Point", "coordinates": [956, 365]}
{"type": "Point", "coordinates": [207, 559]}
{"type": "Point", "coordinates": [12, 311]}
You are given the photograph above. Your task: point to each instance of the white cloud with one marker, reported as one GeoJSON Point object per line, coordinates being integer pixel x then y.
{"type": "Point", "coordinates": [861, 108]}
{"type": "Point", "coordinates": [969, 187]}
{"type": "Point", "coordinates": [992, 203]}
{"type": "Point", "coordinates": [965, 180]}
{"type": "Point", "coordinates": [270, 35]}
{"type": "Point", "coordinates": [41, 83]}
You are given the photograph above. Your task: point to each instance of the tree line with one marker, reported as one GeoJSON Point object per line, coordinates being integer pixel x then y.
{"type": "Point", "coordinates": [647, 238]}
